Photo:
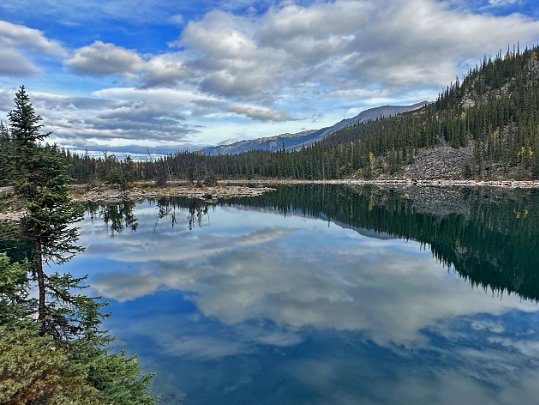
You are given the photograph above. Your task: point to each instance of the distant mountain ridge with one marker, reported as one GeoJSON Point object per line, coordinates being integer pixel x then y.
{"type": "Point", "coordinates": [269, 143]}
{"type": "Point", "coordinates": [302, 139]}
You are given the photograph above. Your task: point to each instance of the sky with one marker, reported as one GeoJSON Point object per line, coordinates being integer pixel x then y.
{"type": "Point", "coordinates": [127, 76]}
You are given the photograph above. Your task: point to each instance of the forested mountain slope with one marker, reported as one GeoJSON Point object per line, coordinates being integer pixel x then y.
{"type": "Point", "coordinates": [292, 142]}
{"type": "Point", "coordinates": [269, 143]}
{"type": "Point", "coordinates": [493, 112]}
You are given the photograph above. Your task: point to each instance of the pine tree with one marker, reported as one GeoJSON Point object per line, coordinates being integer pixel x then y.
{"type": "Point", "coordinates": [42, 183]}
{"type": "Point", "coordinates": [15, 303]}
{"type": "Point", "coordinates": [5, 152]}
{"type": "Point", "coordinates": [25, 126]}
{"type": "Point", "coordinates": [79, 366]}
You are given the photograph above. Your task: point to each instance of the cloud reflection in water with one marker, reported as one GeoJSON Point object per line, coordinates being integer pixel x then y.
{"type": "Point", "coordinates": [331, 314]}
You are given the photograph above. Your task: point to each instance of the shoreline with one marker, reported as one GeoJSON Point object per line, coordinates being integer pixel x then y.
{"type": "Point", "coordinates": [142, 192]}
{"type": "Point", "coordinates": [231, 188]}
{"type": "Point", "coordinates": [13, 212]}
{"type": "Point", "coordinates": [512, 184]}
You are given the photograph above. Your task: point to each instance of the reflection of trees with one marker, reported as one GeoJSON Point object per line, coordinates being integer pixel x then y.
{"type": "Point", "coordinates": [117, 216]}
{"type": "Point", "coordinates": [169, 208]}
{"type": "Point", "coordinates": [490, 238]}
{"type": "Point", "coordinates": [196, 213]}
{"type": "Point", "coordinates": [165, 210]}
{"type": "Point", "coordinates": [120, 215]}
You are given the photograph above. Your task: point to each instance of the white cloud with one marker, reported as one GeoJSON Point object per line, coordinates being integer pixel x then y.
{"type": "Point", "coordinates": [18, 44]}
{"type": "Point", "coordinates": [502, 3]}
{"type": "Point", "coordinates": [228, 59]}
{"type": "Point", "coordinates": [12, 63]}
{"type": "Point", "coordinates": [6, 101]}
{"type": "Point", "coordinates": [166, 69]}
{"type": "Point", "coordinates": [75, 12]}
{"type": "Point", "coordinates": [108, 120]}
{"type": "Point", "coordinates": [346, 44]}
{"type": "Point", "coordinates": [201, 347]}
{"type": "Point", "coordinates": [29, 39]}
{"type": "Point", "coordinates": [160, 96]}
{"type": "Point", "coordinates": [169, 99]}
{"type": "Point", "coordinates": [135, 117]}
{"type": "Point", "coordinates": [258, 112]}
{"type": "Point", "coordinates": [101, 58]}
{"type": "Point", "coordinates": [298, 66]}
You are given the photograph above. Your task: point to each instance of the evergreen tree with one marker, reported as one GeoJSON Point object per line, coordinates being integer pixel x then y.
{"type": "Point", "coordinates": [5, 155]}
{"type": "Point", "coordinates": [36, 370]}
{"type": "Point", "coordinates": [79, 368]}
{"type": "Point", "coordinates": [15, 304]}
{"type": "Point", "coordinates": [42, 183]}
{"type": "Point", "coordinates": [25, 127]}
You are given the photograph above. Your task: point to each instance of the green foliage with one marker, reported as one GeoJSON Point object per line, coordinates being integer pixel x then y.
{"type": "Point", "coordinates": [119, 379]}
{"type": "Point", "coordinates": [6, 153]}
{"type": "Point", "coordinates": [58, 356]}
{"type": "Point", "coordinates": [15, 305]}
{"type": "Point", "coordinates": [25, 128]}
{"type": "Point", "coordinates": [42, 185]}
{"type": "Point", "coordinates": [39, 370]}
{"type": "Point", "coordinates": [117, 178]}
{"type": "Point", "coordinates": [50, 213]}
{"type": "Point", "coordinates": [36, 370]}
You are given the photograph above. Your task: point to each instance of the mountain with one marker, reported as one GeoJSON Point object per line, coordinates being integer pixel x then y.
{"type": "Point", "coordinates": [269, 143]}
{"type": "Point", "coordinates": [483, 126]}
{"type": "Point", "coordinates": [302, 139]}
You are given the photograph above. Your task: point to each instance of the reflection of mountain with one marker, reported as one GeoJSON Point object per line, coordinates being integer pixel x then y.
{"type": "Point", "coordinates": [296, 310]}
{"type": "Point", "coordinates": [490, 238]}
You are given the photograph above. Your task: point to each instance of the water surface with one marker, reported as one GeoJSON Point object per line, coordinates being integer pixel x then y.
{"type": "Point", "coordinates": [317, 295]}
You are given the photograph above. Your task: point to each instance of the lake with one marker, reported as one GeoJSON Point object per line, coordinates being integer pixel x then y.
{"type": "Point", "coordinates": [325, 294]}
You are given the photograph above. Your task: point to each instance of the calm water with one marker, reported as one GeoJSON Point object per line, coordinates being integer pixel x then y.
{"type": "Point", "coordinates": [319, 295]}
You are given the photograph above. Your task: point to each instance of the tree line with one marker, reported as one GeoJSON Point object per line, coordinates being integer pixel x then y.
{"type": "Point", "coordinates": [494, 109]}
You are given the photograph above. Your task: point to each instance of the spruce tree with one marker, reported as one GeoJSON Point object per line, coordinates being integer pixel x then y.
{"type": "Point", "coordinates": [42, 184]}
{"type": "Point", "coordinates": [5, 158]}
{"type": "Point", "coordinates": [25, 126]}
{"type": "Point", "coordinates": [68, 322]}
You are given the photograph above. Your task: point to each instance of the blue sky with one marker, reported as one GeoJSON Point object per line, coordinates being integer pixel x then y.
{"type": "Point", "coordinates": [126, 75]}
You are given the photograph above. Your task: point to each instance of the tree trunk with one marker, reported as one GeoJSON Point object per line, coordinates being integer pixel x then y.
{"type": "Point", "coordinates": [40, 275]}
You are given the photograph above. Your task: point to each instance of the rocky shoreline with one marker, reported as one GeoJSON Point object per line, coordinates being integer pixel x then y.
{"type": "Point", "coordinates": [525, 184]}
{"type": "Point", "coordinates": [209, 194]}
{"type": "Point", "coordinates": [14, 211]}
{"type": "Point", "coordinates": [11, 211]}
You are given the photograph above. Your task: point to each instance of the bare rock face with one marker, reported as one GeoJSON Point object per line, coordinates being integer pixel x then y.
{"type": "Point", "coordinates": [438, 163]}
{"type": "Point", "coordinates": [11, 209]}
{"type": "Point", "coordinates": [6, 191]}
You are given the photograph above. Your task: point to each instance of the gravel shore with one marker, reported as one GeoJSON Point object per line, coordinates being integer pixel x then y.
{"type": "Point", "coordinates": [392, 182]}
{"type": "Point", "coordinates": [141, 193]}
{"type": "Point", "coordinates": [12, 211]}
{"type": "Point", "coordinates": [240, 188]}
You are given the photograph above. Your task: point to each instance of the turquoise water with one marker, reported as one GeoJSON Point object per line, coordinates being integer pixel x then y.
{"type": "Point", "coordinates": [318, 295]}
